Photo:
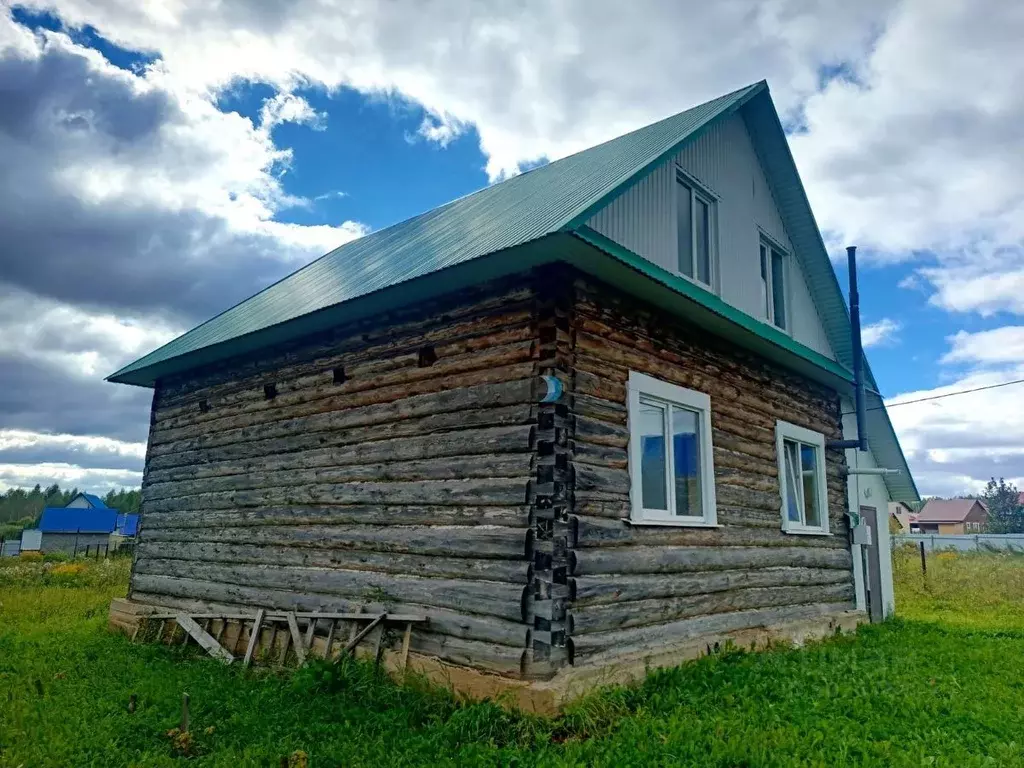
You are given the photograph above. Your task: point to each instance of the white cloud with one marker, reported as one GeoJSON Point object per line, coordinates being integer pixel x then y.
{"type": "Point", "coordinates": [289, 108]}
{"type": "Point", "coordinates": [85, 343]}
{"type": "Point", "coordinates": [996, 346]}
{"type": "Point", "coordinates": [68, 475]}
{"type": "Point", "coordinates": [536, 79]}
{"type": "Point", "coordinates": [881, 333]}
{"type": "Point", "coordinates": [19, 439]}
{"type": "Point", "coordinates": [979, 281]}
{"type": "Point", "coordinates": [955, 444]}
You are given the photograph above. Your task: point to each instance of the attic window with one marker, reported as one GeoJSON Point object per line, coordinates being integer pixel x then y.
{"type": "Point", "coordinates": [269, 391]}
{"type": "Point", "coordinates": [697, 223]}
{"type": "Point", "coordinates": [773, 283]}
{"type": "Point", "coordinates": [339, 375]}
{"type": "Point", "coordinates": [427, 357]}
{"type": "Point", "coordinates": [204, 406]}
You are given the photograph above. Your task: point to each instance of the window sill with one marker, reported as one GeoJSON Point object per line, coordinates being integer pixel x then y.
{"type": "Point", "coordinates": [806, 532]}
{"type": "Point", "coordinates": [669, 523]}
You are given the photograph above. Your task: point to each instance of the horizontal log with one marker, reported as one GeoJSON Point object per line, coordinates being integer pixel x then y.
{"type": "Point", "coordinates": [604, 376]}
{"type": "Point", "coordinates": [489, 657]}
{"type": "Point", "coordinates": [475, 597]}
{"type": "Point", "coordinates": [426, 323]}
{"type": "Point", "coordinates": [622, 344]}
{"type": "Point", "coordinates": [594, 590]}
{"type": "Point", "coordinates": [667, 559]}
{"type": "Point", "coordinates": [444, 541]}
{"type": "Point", "coordinates": [273, 412]}
{"type": "Point", "coordinates": [640, 613]}
{"type": "Point", "coordinates": [489, 629]}
{"type": "Point", "coordinates": [599, 455]}
{"type": "Point", "coordinates": [588, 430]}
{"type": "Point", "coordinates": [594, 532]}
{"type": "Point", "coordinates": [464, 442]}
{"type": "Point", "coordinates": [460, 401]}
{"type": "Point", "coordinates": [319, 434]}
{"type": "Point", "coordinates": [358, 514]}
{"type": "Point", "coordinates": [370, 388]}
{"type": "Point", "coordinates": [361, 362]}
{"type": "Point", "coordinates": [504, 465]}
{"type": "Point", "coordinates": [591, 648]}
{"type": "Point", "coordinates": [588, 477]}
{"type": "Point", "coordinates": [597, 407]}
{"type": "Point", "coordinates": [487, 569]}
{"type": "Point", "coordinates": [729, 494]}
{"type": "Point", "coordinates": [617, 509]}
{"type": "Point", "coordinates": [496, 491]}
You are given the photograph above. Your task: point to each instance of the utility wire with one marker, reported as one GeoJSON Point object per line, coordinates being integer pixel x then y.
{"type": "Point", "coordinates": [940, 397]}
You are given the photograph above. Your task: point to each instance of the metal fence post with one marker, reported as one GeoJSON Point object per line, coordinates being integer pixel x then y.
{"type": "Point", "coordinates": [924, 563]}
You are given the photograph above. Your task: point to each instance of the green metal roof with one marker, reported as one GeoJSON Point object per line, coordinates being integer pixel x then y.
{"type": "Point", "coordinates": [522, 209]}
{"type": "Point", "coordinates": [520, 223]}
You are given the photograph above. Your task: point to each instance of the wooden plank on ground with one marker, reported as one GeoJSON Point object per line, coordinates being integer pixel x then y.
{"type": "Point", "coordinates": [330, 639]}
{"type": "Point", "coordinates": [254, 638]}
{"type": "Point", "coordinates": [365, 631]}
{"type": "Point", "coordinates": [204, 639]}
{"type": "Point", "coordinates": [406, 638]}
{"type": "Point", "coordinates": [293, 628]}
{"type": "Point", "coordinates": [310, 631]}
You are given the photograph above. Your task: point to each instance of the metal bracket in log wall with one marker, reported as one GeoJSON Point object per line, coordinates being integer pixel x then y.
{"type": "Point", "coordinates": [249, 631]}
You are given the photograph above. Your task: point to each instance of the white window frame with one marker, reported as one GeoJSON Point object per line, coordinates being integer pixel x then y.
{"type": "Point", "coordinates": [642, 386]}
{"type": "Point", "coordinates": [698, 192]}
{"type": "Point", "coordinates": [785, 431]}
{"type": "Point", "coordinates": [767, 241]}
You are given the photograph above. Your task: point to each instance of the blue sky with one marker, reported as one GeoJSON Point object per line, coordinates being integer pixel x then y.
{"type": "Point", "coordinates": [160, 176]}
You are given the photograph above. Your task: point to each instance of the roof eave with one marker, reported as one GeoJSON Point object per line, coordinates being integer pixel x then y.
{"type": "Point", "coordinates": [490, 267]}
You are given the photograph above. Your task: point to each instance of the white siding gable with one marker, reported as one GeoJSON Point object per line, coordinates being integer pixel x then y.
{"type": "Point", "coordinates": [722, 160]}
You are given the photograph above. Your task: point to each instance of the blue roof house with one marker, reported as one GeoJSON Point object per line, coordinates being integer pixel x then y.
{"type": "Point", "coordinates": [75, 530]}
{"type": "Point", "coordinates": [87, 500]}
{"type": "Point", "coordinates": [596, 415]}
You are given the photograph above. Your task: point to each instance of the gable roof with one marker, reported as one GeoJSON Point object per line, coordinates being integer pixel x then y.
{"type": "Point", "coordinates": [512, 213]}
{"type": "Point", "coordinates": [77, 519]}
{"type": "Point", "coordinates": [92, 500]}
{"type": "Point", "coordinates": [542, 215]}
{"type": "Point", "coordinates": [946, 510]}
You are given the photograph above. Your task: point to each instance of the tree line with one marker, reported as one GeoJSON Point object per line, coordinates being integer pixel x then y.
{"type": "Point", "coordinates": [21, 508]}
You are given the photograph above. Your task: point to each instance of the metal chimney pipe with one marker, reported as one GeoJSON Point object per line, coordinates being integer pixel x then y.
{"type": "Point", "coordinates": [860, 406]}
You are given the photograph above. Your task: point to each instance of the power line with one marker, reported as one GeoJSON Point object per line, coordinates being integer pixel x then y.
{"type": "Point", "coordinates": [940, 397]}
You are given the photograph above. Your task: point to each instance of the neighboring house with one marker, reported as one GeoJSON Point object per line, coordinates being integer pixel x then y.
{"type": "Point", "coordinates": [578, 418]}
{"type": "Point", "coordinates": [952, 516]}
{"type": "Point", "coordinates": [73, 529]}
{"type": "Point", "coordinates": [86, 501]}
{"type": "Point", "coordinates": [902, 519]}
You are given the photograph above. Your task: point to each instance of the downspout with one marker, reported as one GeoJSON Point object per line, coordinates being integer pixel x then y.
{"type": "Point", "coordinates": [860, 443]}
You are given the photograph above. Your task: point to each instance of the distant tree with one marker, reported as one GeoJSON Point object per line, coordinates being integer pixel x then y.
{"type": "Point", "coordinates": [1005, 514]}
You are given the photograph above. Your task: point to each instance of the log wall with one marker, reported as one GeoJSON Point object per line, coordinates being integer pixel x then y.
{"type": "Point", "coordinates": [406, 463]}
{"type": "Point", "coordinates": [386, 465]}
{"type": "Point", "coordinates": [638, 588]}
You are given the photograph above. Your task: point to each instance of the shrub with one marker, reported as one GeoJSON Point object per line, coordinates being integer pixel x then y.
{"type": "Point", "coordinates": [31, 557]}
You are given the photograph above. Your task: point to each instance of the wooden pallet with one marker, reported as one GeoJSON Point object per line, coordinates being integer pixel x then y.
{"type": "Point", "coordinates": [300, 631]}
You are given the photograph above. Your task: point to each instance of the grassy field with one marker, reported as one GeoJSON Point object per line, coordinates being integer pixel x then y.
{"type": "Point", "coordinates": [941, 686]}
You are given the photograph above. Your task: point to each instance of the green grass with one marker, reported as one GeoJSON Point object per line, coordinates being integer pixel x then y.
{"type": "Point", "coordinates": [941, 687]}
